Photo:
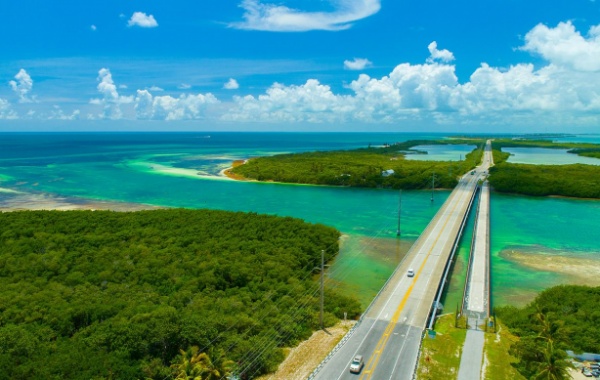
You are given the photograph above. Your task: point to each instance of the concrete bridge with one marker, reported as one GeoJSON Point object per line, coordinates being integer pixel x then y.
{"type": "Point", "coordinates": [388, 335]}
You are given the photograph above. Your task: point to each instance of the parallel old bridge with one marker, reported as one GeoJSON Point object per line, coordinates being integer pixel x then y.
{"type": "Point", "coordinates": [389, 333]}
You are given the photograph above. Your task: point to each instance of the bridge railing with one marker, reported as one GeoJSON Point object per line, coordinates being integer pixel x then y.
{"type": "Point", "coordinates": [440, 290]}
{"type": "Point", "coordinates": [383, 288]}
{"type": "Point", "coordinates": [360, 320]}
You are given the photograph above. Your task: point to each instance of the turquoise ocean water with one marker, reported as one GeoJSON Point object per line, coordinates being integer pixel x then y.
{"type": "Point", "coordinates": [182, 170]}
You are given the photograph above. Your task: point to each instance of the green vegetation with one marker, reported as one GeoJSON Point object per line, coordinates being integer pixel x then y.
{"type": "Point", "coordinates": [499, 156]}
{"type": "Point", "coordinates": [440, 357]}
{"type": "Point", "coordinates": [499, 361]}
{"type": "Point", "coordinates": [591, 152]}
{"type": "Point", "coordinates": [578, 180]}
{"type": "Point", "coordinates": [581, 149]}
{"type": "Point", "coordinates": [362, 167]}
{"type": "Point", "coordinates": [560, 318]}
{"type": "Point", "coordinates": [157, 294]}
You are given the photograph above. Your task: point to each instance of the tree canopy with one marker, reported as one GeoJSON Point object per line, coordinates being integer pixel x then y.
{"type": "Point", "coordinates": [106, 295]}
{"type": "Point", "coordinates": [363, 167]}
{"type": "Point", "coordinates": [561, 318]}
{"type": "Point", "coordinates": [575, 180]}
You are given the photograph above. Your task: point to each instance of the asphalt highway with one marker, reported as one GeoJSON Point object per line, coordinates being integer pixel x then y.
{"type": "Point", "coordinates": [389, 334]}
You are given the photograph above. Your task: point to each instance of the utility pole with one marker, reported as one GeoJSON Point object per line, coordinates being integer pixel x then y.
{"type": "Point", "coordinates": [432, 185]}
{"type": "Point", "coordinates": [322, 283]}
{"type": "Point", "coordinates": [399, 212]}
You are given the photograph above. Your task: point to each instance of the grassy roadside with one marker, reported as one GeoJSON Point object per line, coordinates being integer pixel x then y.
{"type": "Point", "coordinates": [440, 357]}
{"type": "Point", "coordinates": [497, 359]}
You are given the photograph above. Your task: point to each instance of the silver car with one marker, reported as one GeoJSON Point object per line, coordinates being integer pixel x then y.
{"type": "Point", "coordinates": [357, 364]}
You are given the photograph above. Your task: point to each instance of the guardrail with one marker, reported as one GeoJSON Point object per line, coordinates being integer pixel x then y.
{"type": "Point", "coordinates": [432, 311]}
{"type": "Point", "coordinates": [383, 288]}
{"type": "Point", "coordinates": [440, 291]}
{"type": "Point", "coordinates": [487, 267]}
{"type": "Point", "coordinates": [470, 262]}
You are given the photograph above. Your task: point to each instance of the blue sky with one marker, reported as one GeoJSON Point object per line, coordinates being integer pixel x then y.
{"type": "Point", "coordinates": [427, 65]}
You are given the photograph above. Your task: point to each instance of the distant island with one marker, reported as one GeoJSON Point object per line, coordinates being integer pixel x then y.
{"type": "Point", "coordinates": [387, 167]}
{"type": "Point", "coordinates": [575, 180]}
{"type": "Point", "coordinates": [375, 167]}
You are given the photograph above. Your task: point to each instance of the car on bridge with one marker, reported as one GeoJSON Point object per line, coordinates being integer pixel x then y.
{"type": "Point", "coordinates": [410, 273]}
{"type": "Point", "coordinates": [357, 364]}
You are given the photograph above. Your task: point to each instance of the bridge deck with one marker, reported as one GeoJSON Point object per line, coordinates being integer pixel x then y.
{"type": "Point", "coordinates": [389, 333]}
{"type": "Point", "coordinates": [478, 285]}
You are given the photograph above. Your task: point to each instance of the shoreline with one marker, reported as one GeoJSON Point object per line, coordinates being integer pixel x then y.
{"type": "Point", "coordinates": [544, 196]}
{"type": "Point", "coordinates": [236, 177]}
{"type": "Point", "coordinates": [21, 201]}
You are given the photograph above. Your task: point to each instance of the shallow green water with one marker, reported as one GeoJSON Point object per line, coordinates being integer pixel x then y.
{"type": "Point", "coordinates": [546, 226]}
{"type": "Point", "coordinates": [163, 170]}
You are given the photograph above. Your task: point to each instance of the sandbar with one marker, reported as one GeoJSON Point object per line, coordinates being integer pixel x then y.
{"type": "Point", "coordinates": [576, 270]}
{"type": "Point", "coordinates": [20, 201]}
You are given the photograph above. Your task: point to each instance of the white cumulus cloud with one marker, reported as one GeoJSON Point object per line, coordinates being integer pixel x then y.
{"type": "Point", "coordinates": [231, 84]}
{"type": "Point", "coordinates": [357, 64]}
{"type": "Point", "coordinates": [22, 86]}
{"type": "Point", "coordinates": [111, 100]}
{"type": "Point", "coordinates": [279, 18]}
{"type": "Point", "coordinates": [439, 55]}
{"type": "Point", "coordinates": [142, 20]}
{"type": "Point", "coordinates": [565, 46]}
{"type": "Point", "coordinates": [564, 90]}
{"type": "Point", "coordinates": [185, 107]}
{"type": "Point", "coordinates": [6, 111]}
{"type": "Point", "coordinates": [58, 114]}
{"type": "Point", "coordinates": [310, 102]}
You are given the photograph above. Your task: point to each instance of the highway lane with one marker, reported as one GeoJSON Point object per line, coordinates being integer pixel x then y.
{"type": "Point", "coordinates": [389, 334]}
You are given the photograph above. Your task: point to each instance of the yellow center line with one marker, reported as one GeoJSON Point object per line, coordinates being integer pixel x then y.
{"type": "Point", "coordinates": [374, 359]}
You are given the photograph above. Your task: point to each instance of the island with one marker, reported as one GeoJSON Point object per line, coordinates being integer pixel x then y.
{"type": "Point", "coordinates": [386, 166]}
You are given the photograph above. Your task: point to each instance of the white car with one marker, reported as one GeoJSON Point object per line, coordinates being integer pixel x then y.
{"type": "Point", "coordinates": [410, 273]}
{"type": "Point", "coordinates": [357, 364]}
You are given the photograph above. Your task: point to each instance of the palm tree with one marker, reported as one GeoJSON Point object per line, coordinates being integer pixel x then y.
{"type": "Point", "coordinates": [194, 365]}
{"type": "Point", "coordinates": [550, 330]}
{"type": "Point", "coordinates": [189, 366]}
{"type": "Point", "coordinates": [217, 368]}
{"type": "Point", "coordinates": [554, 366]}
